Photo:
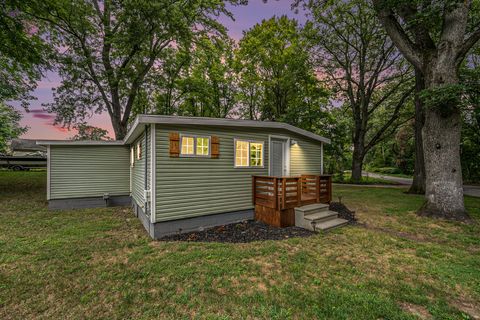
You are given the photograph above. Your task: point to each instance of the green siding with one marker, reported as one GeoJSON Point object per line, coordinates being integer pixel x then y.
{"type": "Point", "coordinates": [88, 171]}
{"type": "Point", "coordinates": [189, 187]}
{"type": "Point", "coordinates": [138, 172]}
{"type": "Point", "coordinates": [305, 157]}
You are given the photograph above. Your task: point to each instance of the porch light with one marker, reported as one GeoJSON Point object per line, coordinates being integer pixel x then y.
{"type": "Point", "coordinates": [293, 142]}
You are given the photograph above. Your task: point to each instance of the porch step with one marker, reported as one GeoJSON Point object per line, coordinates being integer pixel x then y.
{"type": "Point", "coordinates": [317, 217]}
{"type": "Point", "coordinates": [312, 208]}
{"type": "Point", "coordinates": [320, 216]}
{"type": "Point", "coordinates": [330, 224]}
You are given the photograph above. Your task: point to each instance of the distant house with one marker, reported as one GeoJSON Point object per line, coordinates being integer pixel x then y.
{"type": "Point", "coordinates": [182, 173]}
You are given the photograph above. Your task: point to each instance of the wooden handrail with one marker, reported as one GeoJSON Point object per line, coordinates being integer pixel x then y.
{"type": "Point", "coordinates": [289, 192]}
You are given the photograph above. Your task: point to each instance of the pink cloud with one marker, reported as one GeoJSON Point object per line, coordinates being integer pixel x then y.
{"type": "Point", "coordinates": [44, 116]}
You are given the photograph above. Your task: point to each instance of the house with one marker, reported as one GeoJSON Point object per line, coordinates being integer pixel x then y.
{"type": "Point", "coordinates": [187, 173]}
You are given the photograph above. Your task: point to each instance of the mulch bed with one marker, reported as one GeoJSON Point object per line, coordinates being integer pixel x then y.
{"type": "Point", "coordinates": [249, 231]}
{"type": "Point", "coordinates": [343, 211]}
{"type": "Point", "coordinates": [241, 232]}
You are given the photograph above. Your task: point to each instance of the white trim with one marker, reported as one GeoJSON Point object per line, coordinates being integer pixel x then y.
{"type": "Point", "coordinates": [286, 153]}
{"type": "Point", "coordinates": [153, 175]}
{"type": "Point", "coordinates": [145, 119]}
{"type": "Point", "coordinates": [249, 141]}
{"type": "Point", "coordinates": [195, 155]}
{"type": "Point", "coordinates": [49, 166]}
{"type": "Point", "coordinates": [80, 143]}
{"type": "Point", "coordinates": [321, 158]}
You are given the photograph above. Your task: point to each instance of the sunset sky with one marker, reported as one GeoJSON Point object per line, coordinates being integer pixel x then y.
{"type": "Point", "coordinates": [40, 122]}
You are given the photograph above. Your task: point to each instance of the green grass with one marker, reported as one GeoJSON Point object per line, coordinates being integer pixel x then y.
{"type": "Point", "coordinates": [100, 264]}
{"type": "Point", "coordinates": [365, 180]}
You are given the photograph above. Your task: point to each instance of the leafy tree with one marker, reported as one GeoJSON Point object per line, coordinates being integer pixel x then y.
{"type": "Point", "coordinates": [209, 85]}
{"type": "Point", "coordinates": [277, 78]}
{"type": "Point", "coordinates": [9, 125]}
{"type": "Point", "coordinates": [435, 37]}
{"type": "Point", "coordinates": [22, 52]}
{"type": "Point", "coordinates": [107, 49]}
{"type": "Point", "coordinates": [87, 132]}
{"type": "Point", "coordinates": [364, 69]}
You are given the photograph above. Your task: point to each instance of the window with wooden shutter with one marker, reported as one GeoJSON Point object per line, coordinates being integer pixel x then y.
{"type": "Point", "coordinates": [174, 138]}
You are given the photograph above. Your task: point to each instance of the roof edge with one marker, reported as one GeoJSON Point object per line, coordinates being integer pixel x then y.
{"type": "Point", "coordinates": [160, 119]}
{"type": "Point", "coordinates": [79, 143]}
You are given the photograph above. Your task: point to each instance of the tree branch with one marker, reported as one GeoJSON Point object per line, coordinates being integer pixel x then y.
{"type": "Point", "coordinates": [398, 34]}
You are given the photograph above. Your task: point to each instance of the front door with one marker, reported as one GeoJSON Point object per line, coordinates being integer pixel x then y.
{"type": "Point", "coordinates": [278, 165]}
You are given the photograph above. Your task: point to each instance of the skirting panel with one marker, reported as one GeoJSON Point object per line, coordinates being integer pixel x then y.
{"type": "Point", "coordinates": [91, 202]}
{"type": "Point", "coordinates": [165, 228]}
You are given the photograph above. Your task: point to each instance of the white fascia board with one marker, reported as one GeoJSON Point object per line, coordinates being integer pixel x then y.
{"type": "Point", "coordinates": [145, 119]}
{"type": "Point", "coordinates": [79, 143]}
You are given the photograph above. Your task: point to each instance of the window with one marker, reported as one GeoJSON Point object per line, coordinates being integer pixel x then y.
{"type": "Point", "coordinates": [248, 153]}
{"type": "Point", "coordinates": [194, 146]}
{"type": "Point", "coordinates": [187, 145]}
{"type": "Point", "coordinates": [139, 150]}
{"type": "Point", "coordinates": [202, 146]}
{"type": "Point", "coordinates": [132, 156]}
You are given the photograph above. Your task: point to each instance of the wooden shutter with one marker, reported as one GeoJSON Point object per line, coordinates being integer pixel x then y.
{"type": "Point", "coordinates": [174, 138]}
{"type": "Point", "coordinates": [215, 145]}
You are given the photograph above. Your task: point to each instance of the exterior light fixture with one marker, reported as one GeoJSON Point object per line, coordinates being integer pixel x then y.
{"type": "Point", "coordinates": [293, 142]}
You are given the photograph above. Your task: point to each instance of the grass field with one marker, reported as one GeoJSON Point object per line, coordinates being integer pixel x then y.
{"type": "Point", "coordinates": [100, 264]}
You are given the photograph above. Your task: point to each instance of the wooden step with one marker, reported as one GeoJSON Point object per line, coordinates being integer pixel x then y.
{"type": "Point", "coordinates": [312, 208]}
{"type": "Point", "coordinates": [321, 216]}
{"type": "Point", "coordinates": [329, 224]}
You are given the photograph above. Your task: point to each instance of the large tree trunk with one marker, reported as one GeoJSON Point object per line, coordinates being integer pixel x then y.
{"type": "Point", "coordinates": [418, 184]}
{"type": "Point", "coordinates": [357, 163]}
{"type": "Point", "coordinates": [441, 145]}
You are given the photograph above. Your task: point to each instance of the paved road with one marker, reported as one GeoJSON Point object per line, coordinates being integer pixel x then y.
{"type": "Point", "coordinates": [469, 190]}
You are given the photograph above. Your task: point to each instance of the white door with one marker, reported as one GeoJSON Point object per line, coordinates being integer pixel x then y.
{"type": "Point", "coordinates": [278, 161]}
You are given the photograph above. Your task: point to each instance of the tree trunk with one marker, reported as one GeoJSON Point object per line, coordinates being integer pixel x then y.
{"type": "Point", "coordinates": [119, 128]}
{"type": "Point", "coordinates": [441, 146]}
{"type": "Point", "coordinates": [418, 184]}
{"type": "Point", "coordinates": [357, 163]}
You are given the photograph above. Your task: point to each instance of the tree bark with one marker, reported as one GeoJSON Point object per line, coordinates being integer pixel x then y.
{"type": "Point", "coordinates": [357, 162]}
{"type": "Point", "coordinates": [441, 145]}
{"type": "Point", "coordinates": [418, 184]}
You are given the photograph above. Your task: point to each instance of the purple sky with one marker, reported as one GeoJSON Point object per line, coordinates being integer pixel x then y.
{"type": "Point", "coordinates": [40, 122]}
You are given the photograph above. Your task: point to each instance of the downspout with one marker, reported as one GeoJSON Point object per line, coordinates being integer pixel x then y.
{"type": "Point", "coordinates": [145, 173]}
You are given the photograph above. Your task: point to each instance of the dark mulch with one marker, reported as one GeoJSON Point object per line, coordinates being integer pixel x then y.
{"type": "Point", "coordinates": [242, 232]}
{"type": "Point", "coordinates": [249, 231]}
{"type": "Point", "coordinates": [343, 211]}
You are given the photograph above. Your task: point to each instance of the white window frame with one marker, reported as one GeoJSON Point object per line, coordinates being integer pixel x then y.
{"type": "Point", "coordinates": [132, 156]}
{"type": "Point", "coordinates": [248, 158]}
{"type": "Point", "coordinates": [195, 155]}
{"type": "Point", "coordinates": [138, 153]}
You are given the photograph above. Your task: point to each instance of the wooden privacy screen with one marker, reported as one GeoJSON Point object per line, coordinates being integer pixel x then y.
{"type": "Point", "coordinates": [174, 138]}
{"type": "Point", "coordinates": [215, 144]}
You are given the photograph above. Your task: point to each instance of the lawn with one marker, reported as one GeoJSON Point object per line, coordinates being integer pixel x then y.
{"type": "Point", "coordinates": [100, 264]}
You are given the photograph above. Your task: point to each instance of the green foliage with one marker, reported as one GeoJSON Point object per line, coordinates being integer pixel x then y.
{"type": "Point", "coordinates": [9, 125]}
{"type": "Point", "coordinates": [22, 52]}
{"type": "Point", "coordinates": [106, 51]}
{"type": "Point", "coordinates": [278, 81]}
{"type": "Point", "coordinates": [87, 132]}
{"type": "Point", "coordinates": [445, 99]}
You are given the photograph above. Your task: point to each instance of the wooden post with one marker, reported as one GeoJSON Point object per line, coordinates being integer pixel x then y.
{"type": "Point", "coordinates": [299, 192]}
{"type": "Point", "coordinates": [329, 188]}
{"type": "Point", "coordinates": [317, 188]}
{"type": "Point", "coordinates": [275, 192]}
{"type": "Point", "coordinates": [254, 189]}
{"type": "Point", "coordinates": [284, 192]}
